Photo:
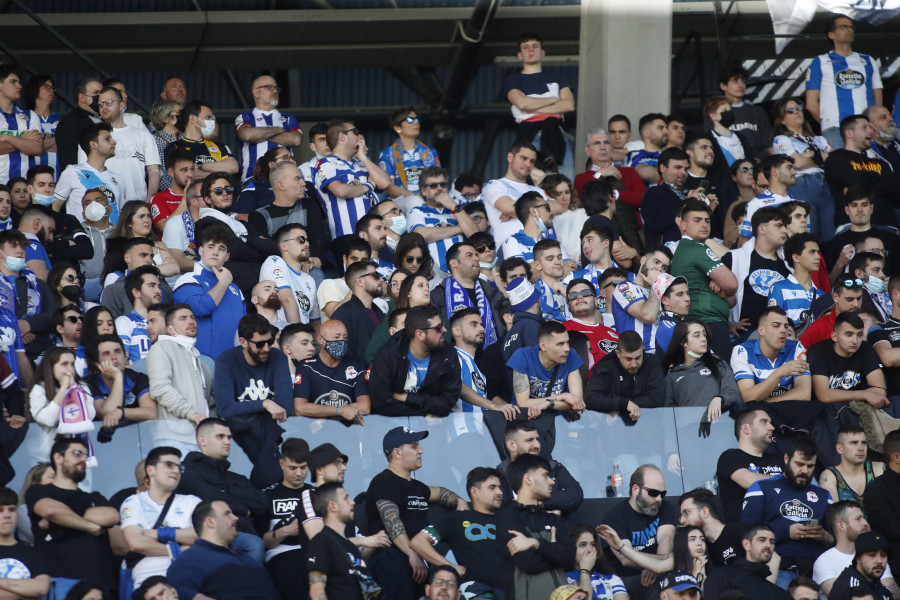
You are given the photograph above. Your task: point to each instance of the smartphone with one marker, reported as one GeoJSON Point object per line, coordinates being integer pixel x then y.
{"type": "Point", "coordinates": [704, 183]}
{"type": "Point", "coordinates": [812, 523]}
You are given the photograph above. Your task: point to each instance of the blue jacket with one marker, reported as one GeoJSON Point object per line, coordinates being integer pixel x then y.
{"type": "Point", "coordinates": [216, 324]}
{"type": "Point", "coordinates": [240, 388]}
{"type": "Point", "coordinates": [216, 571]}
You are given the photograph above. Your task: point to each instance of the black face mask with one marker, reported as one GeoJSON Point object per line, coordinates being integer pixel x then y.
{"type": "Point", "coordinates": [727, 118]}
{"type": "Point", "coordinates": [95, 103]}
{"type": "Point", "coordinates": [71, 293]}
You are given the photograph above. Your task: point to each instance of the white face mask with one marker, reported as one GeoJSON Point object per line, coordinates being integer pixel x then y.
{"type": "Point", "coordinates": [94, 211]}
{"type": "Point", "coordinates": [184, 340]}
{"type": "Point", "coordinates": [209, 126]}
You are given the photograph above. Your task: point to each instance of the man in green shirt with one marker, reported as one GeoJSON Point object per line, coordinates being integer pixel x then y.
{"type": "Point", "coordinates": [712, 285]}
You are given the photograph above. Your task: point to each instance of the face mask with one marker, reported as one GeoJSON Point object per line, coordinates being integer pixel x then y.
{"type": "Point", "coordinates": [95, 103]}
{"type": "Point", "coordinates": [489, 265]}
{"type": "Point", "coordinates": [398, 224]}
{"type": "Point", "coordinates": [184, 340]}
{"type": "Point", "coordinates": [875, 285]}
{"type": "Point", "coordinates": [888, 134]}
{"type": "Point", "coordinates": [94, 211]}
{"type": "Point", "coordinates": [542, 225]}
{"type": "Point", "coordinates": [43, 200]}
{"type": "Point", "coordinates": [320, 156]}
{"type": "Point", "coordinates": [727, 118]}
{"type": "Point", "coordinates": [72, 293]}
{"type": "Point", "coordinates": [209, 126]}
{"type": "Point", "coordinates": [14, 264]}
{"type": "Point", "coordinates": [337, 349]}
{"type": "Point", "coordinates": [693, 354]}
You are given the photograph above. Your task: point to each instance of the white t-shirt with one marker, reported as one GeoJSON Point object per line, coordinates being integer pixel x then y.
{"type": "Point", "coordinates": [499, 188]}
{"type": "Point", "coordinates": [143, 511]}
{"type": "Point", "coordinates": [135, 150]}
{"type": "Point", "coordinates": [302, 284]}
{"type": "Point", "coordinates": [77, 179]}
{"type": "Point", "coordinates": [832, 563]}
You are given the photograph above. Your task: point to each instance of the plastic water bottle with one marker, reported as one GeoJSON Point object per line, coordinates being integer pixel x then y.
{"type": "Point", "coordinates": [618, 482]}
{"type": "Point", "coordinates": [610, 490]}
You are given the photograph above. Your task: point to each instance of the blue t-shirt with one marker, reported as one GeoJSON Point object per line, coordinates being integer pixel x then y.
{"type": "Point", "coordinates": [34, 250]}
{"type": "Point", "coordinates": [527, 361]}
{"type": "Point", "coordinates": [418, 369]}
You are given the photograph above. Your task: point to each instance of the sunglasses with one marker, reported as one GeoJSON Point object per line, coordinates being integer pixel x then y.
{"type": "Point", "coordinates": [414, 259]}
{"type": "Point", "coordinates": [373, 274]}
{"type": "Point", "coordinates": [354, 131]}
{"type": "Point", "coordinates": [218, 190]}
{"type": "Point", "coordinates": [438, 184]}
{"type": "Point", "coordinates": [300, 238]}
{"type": "Point", "coordinates": [70, 278]}
{"type": "Point", "coordinates": [411, 120]}
{"type": "Point", "coordinates": [581, 294]}
{"type": "Point", "coordinates": [654, 493]}
{"type": "Point", "coordinates": [745, 169]}
{"type": "Point", "coordinates": [472, 195]}
{"type": "Point", "coordinates": [73, 319]}
{"type": "Point", "coordinates": [793, 109]}
{"type": "Point", "coordinates": [262, 343]}
{"type": "Point", "coordinates": [486, 246]}
{"type": "Point", "coordinates": [439, 327]}
{"type": "Point", "coordinates": [611, 283]}
{"type": "Point", "coordinates": [853, 283]}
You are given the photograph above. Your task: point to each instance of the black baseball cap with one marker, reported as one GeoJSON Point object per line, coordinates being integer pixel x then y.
{"type": "Point", "coordinates": [324, 454]}
{"type": "Point", "coordinates": [398, 436]}
{"type": "Point", "coordinates": [870, 541]}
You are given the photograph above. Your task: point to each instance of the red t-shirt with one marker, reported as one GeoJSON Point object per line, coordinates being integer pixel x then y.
{"type": "Point", "coordinates": [164, 204]}
{"type": "Point", "coordinates": [603, 339]}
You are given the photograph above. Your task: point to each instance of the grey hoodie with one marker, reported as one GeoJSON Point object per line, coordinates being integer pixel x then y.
{"type": "Point", "coordinates": [695, 385]}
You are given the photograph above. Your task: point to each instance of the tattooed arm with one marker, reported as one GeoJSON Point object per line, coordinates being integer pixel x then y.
{"type": "Point", "coordinates": [317, 580]}
{"type": "Point", "coordinates": [522, 389]}
{"type": "Point", "coordinates": [447, 498]}
{"type": "Point", "coordinates": [390, 517]}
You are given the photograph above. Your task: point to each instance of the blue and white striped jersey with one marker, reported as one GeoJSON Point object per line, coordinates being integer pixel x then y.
{"type": "Point", "coordinates": [472, 377]}
{"type": "Point", "coordinates": [343, 213]}
{"type": "Point", "coordinates": [132, 328]}
{"type": "Point", "coordinates": [250, 153]}
{"type": "Point", "coordinates": [845, 85]}
{"type": "Point", "coordinates": [16, 164]}
{"type": "Point", "coordinates": [426, 216]}
{"type": "Point", "coordinates": [793, 298]}
{"type": "Point", "coordinates": [553, 306]}
{"type": "Point", "coordinates": [625, 295]}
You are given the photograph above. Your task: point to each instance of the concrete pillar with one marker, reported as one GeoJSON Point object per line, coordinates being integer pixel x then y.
{"type": "Point", "coordinates": [625, 64]}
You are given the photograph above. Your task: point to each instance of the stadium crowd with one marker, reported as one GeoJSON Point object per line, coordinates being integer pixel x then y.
{"type": "Point", "coordinates": [150, 274]}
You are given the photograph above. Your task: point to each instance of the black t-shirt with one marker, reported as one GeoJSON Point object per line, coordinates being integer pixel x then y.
{"type": "Point", "coordinates": [727, 547]}
{"type": "Point", "coordinates": [283, 505]}
{"type": "Point", "coordinates": [639, 529]}
{"type": "Point", "coordinates": [71, 553]}
{"type": "Point", "coordinates": [411, 496]}
{"type": "Point", "coordinates": [341, 562]}
{"type": "Point", "coordinates": [762, 275]}
{"type": "Point", "coordinates": [845, 167]}
{"type": "Point", "coordinates": [472, 536]}
{"type": "Point", "coordinates": [843, 372]}
{"type": "Point", "coordinates": [888, 332]}
{"type": "Point", "coordinates": [832, 249]}
{"type": "Point", "coordinates": [731, 494]}
{"type": "Point", "coordinates": [21, 561]}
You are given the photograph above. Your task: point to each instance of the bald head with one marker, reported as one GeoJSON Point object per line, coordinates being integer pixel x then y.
{"type": "Point", "coordinates": [282, 172]}
{"type": "Point", "coordinates": [265, 92]}
{"type": "Point", "coordinates": [265, 295]}
{"type": "Point", "coordinates": [332, 329]}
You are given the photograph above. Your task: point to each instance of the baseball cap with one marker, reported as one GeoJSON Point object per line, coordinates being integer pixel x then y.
{"type": "Point", "coordinates": [522, 294]}
{"type": "Point", "coordinates": [663, 282]}
{"type": "Point", "coordinates": [870, 541]}
{"type": "Point", "coordinates": [324, 454]}
{"type": "Point", "coordinates": [678, 581]}
{"type": "Point", "coordinates": [398, 436]}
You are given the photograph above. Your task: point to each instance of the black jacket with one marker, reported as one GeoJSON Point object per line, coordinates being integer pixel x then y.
{"type": "Point", "coordinates": [566, 496]}
{"type": "Point", "coordinates": [209, 479]}
{"type": "Point", "coordinates": [494, 298]}
{"type": "Point", "coordinates": [71, 243]}
{"type": "Point", "coordinates": [882, 503]}
{"type": "Point", "coordinates": [746, 576]}
{"type": "Point", "coordinates": [436, 396]}
{"type": "Point", "coordinates": [658, 212]}
{"type": "Point", "coordinates": [850, 577]}
{"type": "Point", "coordinates": [68, 133]}
{"type": "Point", "coordinates": [523, 333]}
{"type": "Point", "coordinates": [534, 573]}
{"type": "Point", "coordinates": [355, 316]}
{"type": "Point", "coordinates": [610, 387]}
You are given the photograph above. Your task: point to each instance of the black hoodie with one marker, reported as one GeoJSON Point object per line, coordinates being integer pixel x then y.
{"type": "Point", "coordinates": [610, 387]}
{"type": "Point", "coordinates": [746, 576]}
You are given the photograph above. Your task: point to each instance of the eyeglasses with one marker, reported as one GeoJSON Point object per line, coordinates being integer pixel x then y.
{"type": "Point", "coordinates": [70, 278]}
{"type": "Point", "coordinates": [300, 238]}
{"type": "Point", "coordinates": [654, 493]}
{"type": "Point", "coordinates": [853, 283]}
{"type": "Point", "coordinates": [284, 158]}
{"type": "Point", "coordinates": [74, 319]}
{"type": "Point", "coordinates": [439, 327]}
{"type": "Point", "coordinates": [471, 195]}
{"type": "Point", "coordinates": [339, 462]}
{"type": "Point", "coordinates": [172, 465]}
{"type": "Point", "coordinates": [394, 212]}
{"type": "Point", "coordinates": [219, 190]}
{"type": "Point", "coordinates": [103, 103]}
{"type": "Point", "coordinates": [269, 86]}
{"type": "Point", "coordinates": [687, 511]}
{"type": "Point", "coordinates": [414, 259]}
{"type": "Point", "coordinates": [411, 120]}
{"type": "Point", "coordinates": [49, 87]}
{"type": "Point", "coordinates": [545, 205]}
{"type": "Point", "coordinates": [354, 131]}
{"type": "Point", "coordinates": [792, 109]}
{"type": "Point", "coordinates": [438, 184]}
{"type": "Point", "coordinates": [260, 344]}
{"type": "Point", "coordinates": [845, 27]}
{"type": "Point", "coordinates": [486, 246]}
{"type": "Point", "coordinates": [879, 251]}
{"type": "Point", "coordinates": [606, 285]}
{"type": "Point", "coordinates": [581, 294]}
{"type": "Point", "coordinates": [443, 583]}
{"type": "Point", "coordinates": [79, 453]}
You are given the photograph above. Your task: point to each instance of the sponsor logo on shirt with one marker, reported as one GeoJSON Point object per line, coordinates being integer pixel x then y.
{"type": "Point", "coordinates": [297, 379]}
{"type": "Point", "coordinates": [795, 510]}
{"type": "Point", "coordinates": [848, 79]}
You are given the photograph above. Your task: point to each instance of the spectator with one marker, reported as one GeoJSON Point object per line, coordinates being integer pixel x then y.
{"type": "Point", "coordinates": [851, 164]}
{"type": "Point", "coordinates": [252, 387]}
{"type": "Point", "coordinates": [37, 225]}
{"type": "Point", "coordinates": [89, 590]}
{"type": "Point", "coordinates": [164, 114]}
{"type": "Point", "coordinates": [297, 344]}
{"type": "Point", "coordinates": [796, 293]}
{"type": "Point", "coordinates": [884, 345]}
{"type": "Point", "coordinates": [264, 298]}
{"type": "Point", "coordinates": [593, 572]}
{"type": "Point", "coordinates": [500, 195]}
{"type": "Point", "coordinates": [883, 130]}
{"type": "Point", "coordinates": [868, 566]}
{"type": "Point", "coordinates": [468, 339]}
{"type": "Point", "coordinates": [749, 573]}
{"type": "Point", "coordinates": [142, 289]}
{"type": "Point", "coordinates": [654, 134]}
{"type": "Point", "coordinates": [99, 146]}
{"type": "Point", "coordinates": [216, 302]}
{"type": "Point", "coordinates": [587, 319]}
{"type": "Point", "coordinates": [406, 159]}
{"type": "Point", "coordinates": [138, 252]}
{"type": "Point", "coordinates": [634, 307]}
{"type": "Point", "coordinates": [170, 202]}
{"type": "Point", "coordinates": [475, 554]}
{"type": "Point", "coordinates": [207, 476]}
{"type": "Point", "coordinates": [749, 119]}
{"type": "Point", "coordinates": [73, 124]}
{"type": "Point", "coordinates": [739, 468]}
{"type": "Point", "coordinates": [803, 588]}
{"type": "Point", "coordinates": [869, 267]}
{"type": "Point", "coordinates": [797, 540]}
{"type": "Point", "coordinates": [619, 127]}
{"type": "Point", "coordinates": [347, 180]}
{"type": "Point", "coordinates": [286, 541]}
{"type": "Point", "coordinates": [697, 261]}
{"type": "Point", "coordinates": [318, 144]}
{"type": "Point", "coordinates": [841, 82]}
{"type": "Point", "coordinates": [27, 572]}
{"type": "Point", "coordinates": [726, 145]}
{"type": "Point", "coordinates": [533, 212]}
{"type": "Point", "coordinates": [675, 303]}
{"type": "Point", "coordinates": [264, 127]}
{"type": "Point", "coordinates": [781, 174]}
{"type": "Point", "coordinates": [394, 219]}
{"type": "Point", "coordinates": [372, 229]}
{"type": "Point", "coordinates": [181, 382]}
{"type": "Point", "coordinates": [359, 313]}
{"type": "Point", "coordinates": [335, 565]}
{"type": "Point", "coordinates": [157, 587]}
{"type": "Point", "coordinates": [623, 383]}
{"type": "Point", "coordinates": [179, 236]}
{"type": "Point", "coordinates": [688, 552]}
{"type": "Point", "coordinates": [257, 192]}
{"type": "Point", "coordinates": [23, 139]}
{"type": "Point", "coordinates": [67, 321]}
{"type": "Point", "coordinates": [675, 125]}
{"type": "Point", "coordinates": [197, 124]}
{"type": "Point", "coordinates": [597, 240]}
{"type": "Point", "coordinates": [526, 308]}
{"type": "Point", "coordinates": [548, 263]}
{"type": "Point", "coordinates": [162, 513]}
{"type": "Point", "coordinates": [848, 479]}
{"type": "Point", "coordinates": [695, 374]}
{"type": "Point", "coordinates": [83, 529]}
{"type": "Point", "coordinates": [660, 204]}
{"type": "Point", "coordinates": [647, 521]}
{"type": "Point", "coordinates": [174, 90]}
{"type": "Point", "coordinates": [522, 438]}
{"type": "Point", "coordinates": [683, 585]}
{"type": "Point", "coordinates": [599, 150]}
{"type": "Point", "coordinates": [332, 293]}
{"type": "Point", "coordinates": [859, 210]}
{"type": "Point", "coordinates": [332, 380]}
{"type": "Point", "coordinates": [848, 294]}
{"type": "Point", "coordinates": [723, 540]}
{"type": "Point", "coordinates": [532, 559]}
{"type": "Point", "coordinates": [443, 223]}
{"type": "Point", "coordinates": [398, 503]}
{"type": "Point", "coordinates": [571, 216]}
{"type": "Point", "coordinates": [210, 568]}
{"type": "Point", "coordinates": [290, 272]}
{"type": "Point", "coordinates": [136, 220]}
{"type": "Point", "coordinates": [882, 499]}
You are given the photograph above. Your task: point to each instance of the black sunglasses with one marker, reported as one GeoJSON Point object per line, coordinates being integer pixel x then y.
{"type": "Point", "coordinates": [606, 285]}
{"type": "Point", "coordinates": [438, 184]}
{"type": "Point", "coordinates": [354, 131]}
{"type": "Point", "coordinates": [262, 343]}
{"type": "Point", "coordinates": [218, 190]}
{"type": "Point", "coordinates": [73, 319]}
{"type": "Point", "coordinates": [581, 294]}
{"type": "Point", "coordinates": [654, 493]}
{"type": "Point", "coordinates": [411, 120]}
{"type": "Point", "coordinates": [414, 259]}
{"type": "Point", "coordinates": [486, 246]}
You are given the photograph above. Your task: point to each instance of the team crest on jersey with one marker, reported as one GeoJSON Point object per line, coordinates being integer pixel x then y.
{"type": "Point", "coordinates": [627, 292]}
{"type": "Point", "coordinates": [608, 346]}
{"type": "Point", "coordinates": [303, 301]}
{"type": "Point", "coordinates": [366, 375]}
{"type": "Point", "coordinates": [350, 372]}
{"type": "Point", "coordinates": [478, 381]}
{"type": "Point", "coordinates": [239, 121]}
{"type": "Point", "coordinates": [812, 497]}
{"type": "Point", "coordinates": [762, 280]}
{"type": "Point", "coordinates": [848, 79]}
{"type": "Point", "coordinates": [277, 272]}
{"type": "Point", "coordinates": [895, 335]}
{"type": "Point", "coordinates": [705, 372]}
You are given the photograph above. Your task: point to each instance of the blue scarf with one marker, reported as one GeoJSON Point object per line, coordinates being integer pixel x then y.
{"type": "Point", "coordinates": [456, 298]}
{"type": "Point", "coordinates": [189, 231]}
{"type": "Point", "coordinates": [34, 293]}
